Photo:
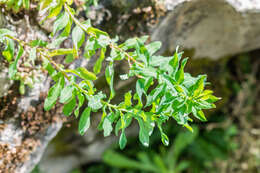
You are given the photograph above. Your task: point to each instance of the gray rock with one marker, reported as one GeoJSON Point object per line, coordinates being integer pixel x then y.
{"type": "Point", "coordinates": [12, 136]}
{"type": "Point", "coordinates": [212, 28]}
{"type": "Point", "coordinates": [5, 82]}
{"type": "Point", "coordinates": [23, 139]}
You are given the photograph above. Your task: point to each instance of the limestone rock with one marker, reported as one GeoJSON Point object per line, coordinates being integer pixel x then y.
{"type": "Point", "coordinates": [213, 28]}
{"type": "Point", "coordinates": [4, 81]}
{"type": "Point", "coordinates": [25, 128]}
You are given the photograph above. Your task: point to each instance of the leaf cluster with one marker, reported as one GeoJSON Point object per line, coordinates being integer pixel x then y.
{"type": "Point", "coordinates": [163, 90]}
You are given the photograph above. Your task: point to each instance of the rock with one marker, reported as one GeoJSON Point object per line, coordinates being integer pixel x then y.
{"type": "Point", "coordinates": [25, 128]}
{"type": "Point", "coordinates": [78, 150]}
{"type": "Point", "coordinates": [4, 80]}
{"type": "Point", "coordinates": [20, 154]}
{"type": "Point", "coordinates": [212, 28]}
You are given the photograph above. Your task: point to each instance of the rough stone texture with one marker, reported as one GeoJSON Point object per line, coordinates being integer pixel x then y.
{"type": "Point", "coordinates": [20, 154]}
{"type": "Point", "coordinates": [4, 81]}
{"type": "Point", "coordinates": [78, 150]}
{"type": "Point", "coordinates": [25, 129]}
{"type": "Point", "coordinates": [213, 28]}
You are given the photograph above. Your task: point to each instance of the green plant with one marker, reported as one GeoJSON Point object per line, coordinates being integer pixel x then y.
{"type": "Point", "coordinates": [163, 90]}
{"type": "Point", "coordinates": [190, 152]}
{"type": "Point", "coordinates": [164, 162]}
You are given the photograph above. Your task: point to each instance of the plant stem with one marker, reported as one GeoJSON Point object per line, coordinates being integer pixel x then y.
{"type": "Point", "coordinates": [77, 22]}
{"type": "Point", "coordinates": [42, 53]}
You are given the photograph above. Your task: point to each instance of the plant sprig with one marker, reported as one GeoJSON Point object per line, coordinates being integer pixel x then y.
{"type": "Point", "coordinates": [163, 90]}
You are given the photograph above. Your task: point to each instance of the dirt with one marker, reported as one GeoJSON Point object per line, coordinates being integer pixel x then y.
{"type": "Point", "coordinates": [33, 123]}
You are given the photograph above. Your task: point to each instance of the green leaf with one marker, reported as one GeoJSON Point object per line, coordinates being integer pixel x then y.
{"type": "Point", "coordinates": [142, 53]}
{"type": "Point", "coordinates": [143, 39]}
{"type": "Point", "coordinates": [8, 52]}
{"type": "Point", "coordinates": [90, 47]}
{"type": "Point", "coordinates": [66, 94]}
{"type": "Point", "coordinates": [130, 43]}
{"type": "Point", "coordinates": [95, 101]}
{"type": "Point", "coordinates": [199, 85]}
{"type": "Point", "coordinates": [10, 4]}
{"type": "Point", "coordinates": [143, 132]}
{"type": "Point", "coordinates": [128, 98]}
{"type": "Point", "coordinates": [26, 4]}
{"type": "Point", "coordinates": [103, 40]}
{"type": "Point", "coordinates": [109, 73]}
{"type": "Point", "coordinates": [189, 81]}
{"type": "Point", "coordinates": [69, 58]}
{"type": "Point", "coordinates": [161, 62]}
{"type": "Point", "coordinates": [199, 114]}
{"type": "Point", "coordinates": [21, 88]}
{"type": "Point", "coordinates": [40, 43]}
{"type": "Point", "coordinates": [13, 65]}
{"type": "Point", "coordinates": [205, 105]}
{"type": "Point", "coordinates": [98, 65]}
{"type": "Point", "coordinates": [96, 31]}
{"type": "Point", "coordinates": [211, 98]}
{"type": "Point", "coordinates": [61, 51]}
{"type": "Point", "coordinates": [17, 6]}
{"type": "Point", "coordinates": [122, 140]}
{"type": "Point", "coordinates": [47, 66]}
{"type": "Point", "coordinates": [53, 94]}
{"type": "Point", "coordinates": [187, 126]}
{"type": "Point", "coordinates": [84, 121]}
{"type": "Point", "coordinates": [121, 161]}
{"type": "Point", "coordinates": [44, 4]}
{"type": "Point", "coordinates": [69, 107]}
{"type": "Point", "coordinates": [81, 99]}
{"type": "Point", "coordinates": [86, 24]}
{"type": "Point", "coordinates": [148, 72]}
{"type": "Point", "coordinates": [4, 32]}
{"type": "Point", "coordinates": [32, 55]}
{"type": "Point", "coordinates": [179, 77]}
{"type": "Point", "coordinates": [78, 37]}
{"type": "Point", "coordinates": [56, 42]}
{"type": "Point", "coordinates": [85, 74]}
{"type": "Point", "coordinates": [155, 94]}
{"type": "Point", "coordinates": [140, 88]}
{"type": "Point", "coordinates": [174, 62]}
{"type": "Point", "coordinates": [153, 47]}
{"type": "Point", "coordinates": [116, 55]}
{"type": "Point", "coordinates": [107, 126]}
{"type": "Point", "coordinates": [55, 10]}
{"type": "Point", "coordinates": [66, 31]}
{"type": "Point", "coordinates": [69, 2]}
{"type": "Point", "coordinates": [165, 139]}
{"type": "Point", "coordinates": [61, 22]}
{"type": "Point", "coordinates": [118, 127]}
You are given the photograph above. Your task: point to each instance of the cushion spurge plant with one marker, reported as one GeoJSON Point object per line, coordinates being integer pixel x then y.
{"type": "Point", "coordinates": [163, 90]}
